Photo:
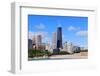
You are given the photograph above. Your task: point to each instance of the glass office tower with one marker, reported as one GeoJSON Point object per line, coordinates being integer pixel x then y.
{"type": "Point", "coordinates": [59, 37]}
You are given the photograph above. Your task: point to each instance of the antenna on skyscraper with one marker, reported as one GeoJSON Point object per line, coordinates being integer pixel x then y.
{"type": "Point", "coordinates": [58, 24]}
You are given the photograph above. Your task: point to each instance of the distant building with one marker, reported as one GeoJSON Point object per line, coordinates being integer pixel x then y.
{"type": "Point", "coordinates": [59, 37]}
{"type": "Point", "coordinates": [42, 46]}
{"type": "Point", "coordinates": [56, 51]}
{"type": "Point", "coordinates": [76, 49]}
{"type": "Point", "coordinates": [38, 41]}
{"type": "Point", "coordinates": [70, 48]}
{"type": "Point", "coordinates": [34, 40]}
{"type": "Point", "coordinates": [29, 44]}
{"type": "Point", "coordinates": [65, 46]}
{"type": "Point", "coordinates": [48, 47]}
{"type": "Point", "coordinates": [54, 41]}
{"type": "Point", "coordinates": [83, 48]}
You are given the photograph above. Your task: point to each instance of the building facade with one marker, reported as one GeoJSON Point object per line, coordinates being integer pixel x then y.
{"type": "Point", "coordinates": [54, 40]}
{"type": "Point", "coordinates": [70, 47]}
{"type": "Point", "coordinates": [38, 41]}
{"type": "Point", "coordinates": [29, 44]}
{"type": "Point", "coordinates": [59, 37]}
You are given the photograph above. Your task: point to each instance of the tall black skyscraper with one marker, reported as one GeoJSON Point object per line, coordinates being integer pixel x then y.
{"type": "Point", "coordinates": [59, 37]}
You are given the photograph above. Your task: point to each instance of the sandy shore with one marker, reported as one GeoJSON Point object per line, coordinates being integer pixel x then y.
{"type": "Point", "coordinates": [81, 55]}
{"type": "Point", "coordinates": [72, 56]}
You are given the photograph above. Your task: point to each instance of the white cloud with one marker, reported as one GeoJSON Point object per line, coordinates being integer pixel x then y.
{"type": "Point", "coordinates": [42, 33]}
{"type": "Point", "coordinates": [30, 35]}
{"type": "Point", "coordinates": [45, 35]}
{"type": "Point", "coordinates": [40, 26]}
{"type": "Point", "coordinates": [72, 28]}
{"type": "Point", "coordinates": [82, 33]}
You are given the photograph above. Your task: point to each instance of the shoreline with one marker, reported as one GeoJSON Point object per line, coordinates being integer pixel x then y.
{"type": "Point", "coordinates": [81, 55]}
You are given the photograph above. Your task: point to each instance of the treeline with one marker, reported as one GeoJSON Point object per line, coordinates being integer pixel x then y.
{"type": "Point", "coordinates": [40, 53]}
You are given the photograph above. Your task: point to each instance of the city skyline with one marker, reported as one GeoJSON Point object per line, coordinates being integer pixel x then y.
{"type": "Point", "coordinates": [74, 29]}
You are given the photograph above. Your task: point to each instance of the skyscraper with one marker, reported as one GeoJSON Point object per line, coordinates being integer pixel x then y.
{"type": "Point", "coordinates": [34, 40]}
{"type": "Point", "coordinates": [59, 37]}
{"type": "Point", "coordinates": [54, 40]}
{"type": "Point", "coordinates": [38, 41]}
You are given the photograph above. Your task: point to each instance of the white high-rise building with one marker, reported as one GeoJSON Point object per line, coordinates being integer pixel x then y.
{"type": "Point", "coordinates": [70, 47]}
{"type": "Point", "coordinates": [34, 40]}
{"type": "Point", "coordinates": [38, 41]}
{"type": "Point", "coordinates": [54, 41]}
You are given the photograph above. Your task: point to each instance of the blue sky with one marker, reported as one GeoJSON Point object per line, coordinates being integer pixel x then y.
{"type": "Point", "coordinates": [74, 29]}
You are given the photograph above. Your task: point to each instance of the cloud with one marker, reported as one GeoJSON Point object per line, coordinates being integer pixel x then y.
{"type": "Point", "coordinates": [30, 35]}
{"type": "Point", "coordinates": [40, 26]}
{"type": "Point", "coordinates": [42, 33]}
{"type": "Point", "coordinates": [82, 33]}
{"type": "Point", "coordinates": [45, 35]}
{"type": "Point", "coordinates": [72, 28]}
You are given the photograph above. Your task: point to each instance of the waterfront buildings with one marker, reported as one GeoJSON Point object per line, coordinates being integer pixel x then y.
{"type": "Point", "coordinates": [76, 49]}
{"type": "Point", "coordinates": [68, 47]}
{"type": "Point", "coordinates": [56, 47]}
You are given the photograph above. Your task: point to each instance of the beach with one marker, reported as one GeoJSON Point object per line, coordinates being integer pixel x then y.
{"type": "Point", "coordinates": [81, 55]}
